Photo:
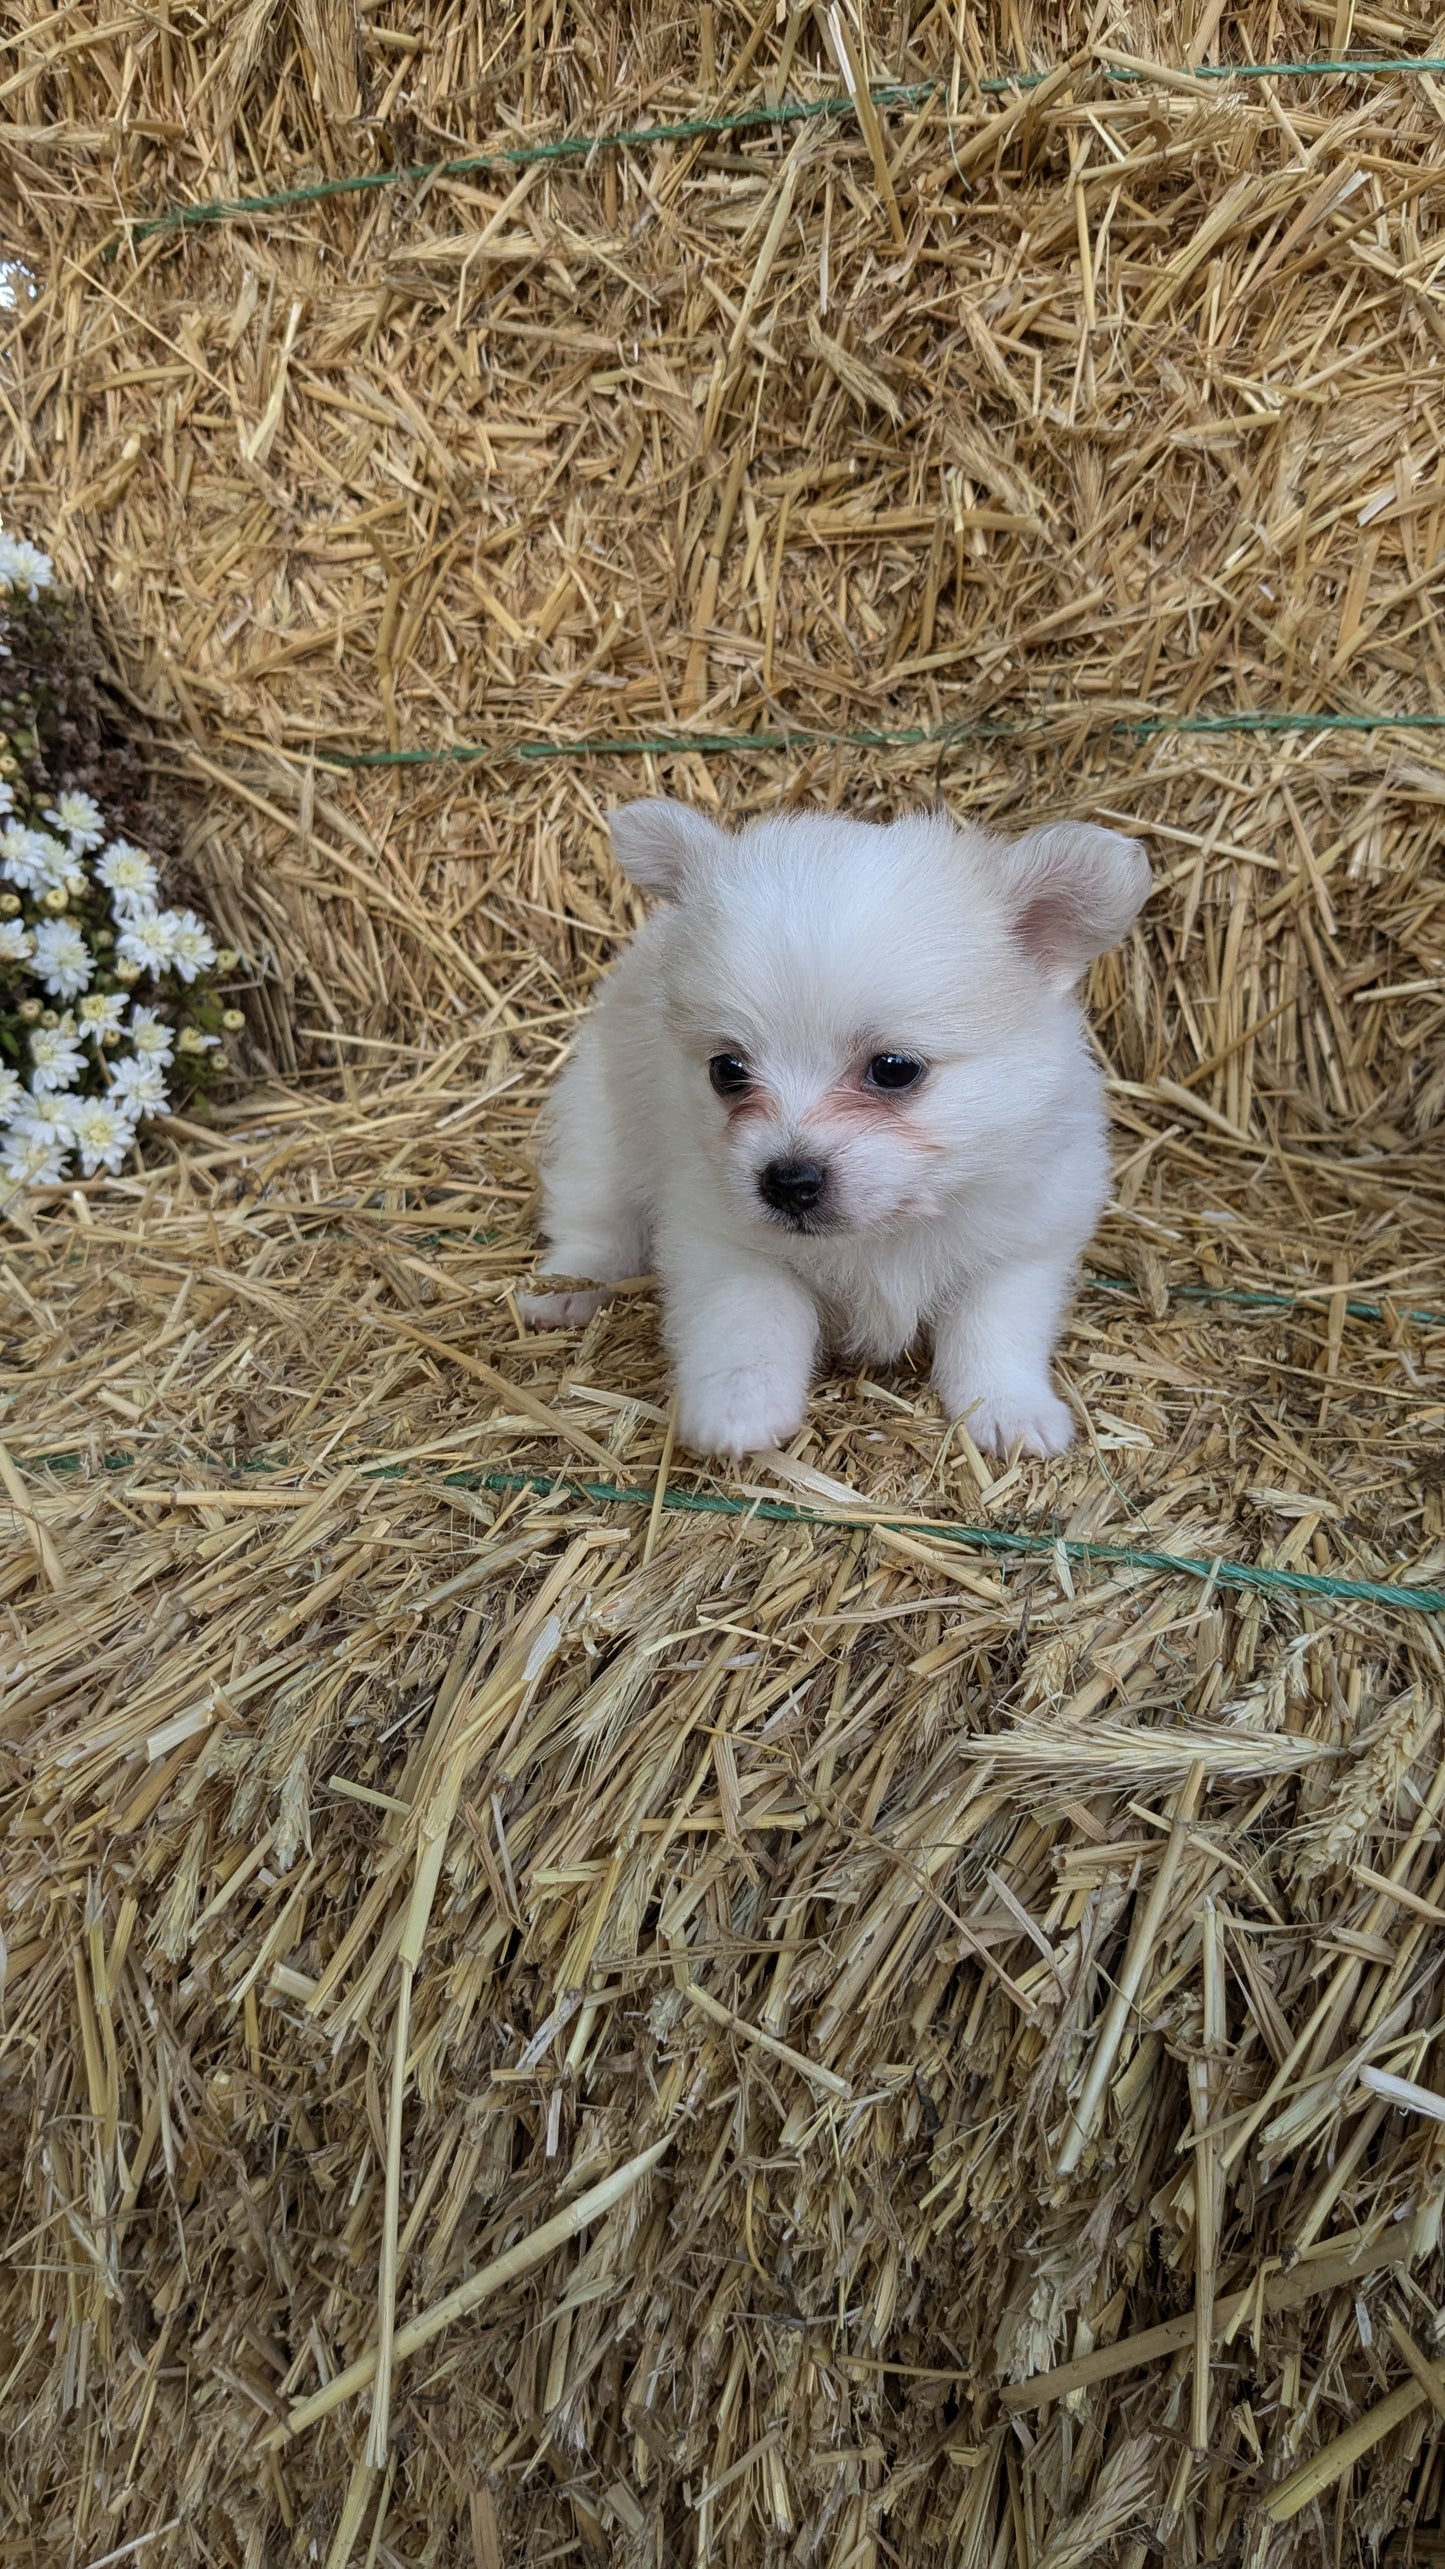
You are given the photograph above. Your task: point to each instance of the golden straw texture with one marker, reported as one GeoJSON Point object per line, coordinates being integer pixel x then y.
{"type": "Point", "coordinates": [536, 2031]}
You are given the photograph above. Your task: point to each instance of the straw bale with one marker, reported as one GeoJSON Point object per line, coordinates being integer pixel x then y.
{"type": "Point", "coordinates": [539, 2028]}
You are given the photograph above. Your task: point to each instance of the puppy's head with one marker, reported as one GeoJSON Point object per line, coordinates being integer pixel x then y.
{"type": "Point", "coordinates": [866, 1019]}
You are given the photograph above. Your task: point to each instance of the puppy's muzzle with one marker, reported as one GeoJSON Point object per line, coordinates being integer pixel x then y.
{"type": "Point", "coordinates": [794, 1190]}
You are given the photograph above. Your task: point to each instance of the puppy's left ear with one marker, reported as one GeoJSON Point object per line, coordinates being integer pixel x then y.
{"type": "Point", "coordinates": [658, 845]}
{"type": "Point", "coordinates": [1072, 891]}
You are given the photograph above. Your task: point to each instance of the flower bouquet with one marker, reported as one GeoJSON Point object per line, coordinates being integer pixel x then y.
{"type": "Point", "coordinates": [109, 1001]}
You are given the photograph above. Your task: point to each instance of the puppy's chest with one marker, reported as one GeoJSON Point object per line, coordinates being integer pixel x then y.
{"type": "Point", "coordinates": [874, 1306]}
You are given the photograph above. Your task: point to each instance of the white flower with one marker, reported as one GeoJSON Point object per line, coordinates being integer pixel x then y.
{"type": "Point", "coordinates": [147, 938]}
{"type": "Point", "coordinates": [139, 1086]}
{"type": "Point", "coordinates": [24, 566]}
{"type": "Point", "coordinates": [103, 1132]}
{"type": "Point", "coordinates": [129, 877]}
{"type": "Point", "coordinates": [63, 960]}
{"type": "Point", "coordinates": [193, 948]}
{"type": "Point", "coordinates": [191, 1040]}
{"type": "Point", "coordinates": [102, 1011]}
{"type": "Point", "coordinates": [46, 1114]}
{"type": "Point", "coordinates": [151, 1036]}
{"type": "Point", "coordinates": [57, 1059]}
{"type": "Point", "coordinates": [11, 1093]}
{"type": "Point", "coordinates": [31, 859]}
{"type": "Point", "coordinates": [78, 816]}
{"type": "Point", "coordinates": [32, 1159]}
{"type": "Point", "coordinates": [15, 941]}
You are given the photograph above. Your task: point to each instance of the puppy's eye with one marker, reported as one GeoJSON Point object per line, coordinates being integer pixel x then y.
{"type": "Point", "coordinates": [728, 1073]}
{"type": "Point", "coordinates": [894, 1070]}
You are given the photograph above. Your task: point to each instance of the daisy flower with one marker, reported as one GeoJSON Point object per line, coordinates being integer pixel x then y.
{"type": "Point", "coordinates": [77, 816]}
{"type": "Point", "coordinates": [49, 1115]}
{"type": "Point", "coordinates": [139, 1086]}
{"type": "Point", "coordinates": [102, 1132]}
{"type": "Point", "coordinates": [151, 1036]}
{"type": "Point", "coordinates": [128, 876]}
{"type": "Point", "coordinates": [147, 939]}
{"type": "Point", "coordinates": [24, 566]}
{"type": "Point", "coordinates": [15, 941]}
{"type": "Point", "coordinates": [63, 960]}
{"type": "Point", "coordinates": [193, 948]}
{"type": "Point", "coordinates": [11, 1093]}
{"type": "Point", "coordinates": [57, 1061]}
{"type": "Point", "coordinates": [32, 1159]}
{"type": "Point", "coordinates": [102, 1012]}
{"type": "Point", "coordinates": [31, 859]}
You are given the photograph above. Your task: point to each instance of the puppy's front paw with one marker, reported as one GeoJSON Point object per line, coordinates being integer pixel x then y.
{"type": "Point", "coordinates": [559, 1310]}
{"type": "Point", "coordinates": [738, 1413]}
{"type": "Point", "coordinates": [1026, 1414]}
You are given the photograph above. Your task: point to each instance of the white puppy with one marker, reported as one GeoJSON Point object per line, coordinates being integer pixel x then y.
{"type": "Point", "coordinates": [838, 1091]}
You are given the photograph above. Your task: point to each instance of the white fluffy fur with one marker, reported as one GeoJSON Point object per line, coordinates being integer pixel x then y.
{"type": "Point", "coordinates": [807, 945]}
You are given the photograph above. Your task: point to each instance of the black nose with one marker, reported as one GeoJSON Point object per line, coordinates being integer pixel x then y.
{"type": "Point", "coordinates": [792, 1187]}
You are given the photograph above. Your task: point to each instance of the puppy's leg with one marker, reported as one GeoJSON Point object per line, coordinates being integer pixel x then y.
{"type": "Point", "coordinates": [593, 1221]}
{"type": "Point", "coordinates": [991, 1351]}
{"type": "Point", "coordinates": [743, 1335]}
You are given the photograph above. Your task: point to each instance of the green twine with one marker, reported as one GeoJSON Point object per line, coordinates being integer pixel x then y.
{"type": "Point", "coordinates": [695, 128]}
{"type": "Point", "coordinates": [1247, 1575]}
{"type": "Point", "coordinates": [1315, 1301]}
{"type": "Point", "coordinates": [528, 155]}
{"type": "Point", "coordinates": [989, 1538]}
{"type": "Point", "coordinates": [725, 744]}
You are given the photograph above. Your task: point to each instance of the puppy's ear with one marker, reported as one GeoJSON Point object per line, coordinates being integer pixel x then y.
{"type": "Point", "coordinates": [1072, 891]}
{"type": "Point", "coordinates": [658, 845]}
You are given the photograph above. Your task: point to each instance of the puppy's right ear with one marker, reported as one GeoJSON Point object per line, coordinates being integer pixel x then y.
{"type": "Point", "coordinates": [659, 845]}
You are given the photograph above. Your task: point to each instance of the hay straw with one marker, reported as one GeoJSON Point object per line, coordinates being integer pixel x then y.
{"type": "Point", "coordinates": [1324, 2468]}
{"type": "Point", "coordinates": [519, 2260]}
{"type": "Point", "coordinates": [1130, 1978]}
{"type": "Point", "coordinates": [867, 2010]}
{"type": "Point", "coordinates": [864, 99]}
